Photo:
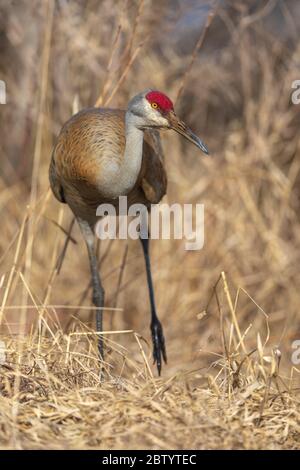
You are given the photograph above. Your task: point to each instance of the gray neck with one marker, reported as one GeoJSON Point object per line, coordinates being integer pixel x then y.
{"type": "Point", "coordinates": [133, 153]}
{"type": "Point", "coordinates": [119, 174]}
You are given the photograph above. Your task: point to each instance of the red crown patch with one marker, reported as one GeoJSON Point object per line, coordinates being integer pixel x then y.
{"type": "Point", "coordinates": [164, 103]}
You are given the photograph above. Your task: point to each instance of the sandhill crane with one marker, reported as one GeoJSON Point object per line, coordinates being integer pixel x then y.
{"type": "Point", "coordinates": [102, 154]}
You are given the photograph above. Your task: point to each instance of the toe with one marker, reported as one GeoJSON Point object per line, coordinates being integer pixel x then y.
{"type": "Point", "coordinates": [159, 349]}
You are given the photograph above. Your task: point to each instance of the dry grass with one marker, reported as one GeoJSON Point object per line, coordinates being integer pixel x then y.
{"type": "Point", "coordinates": [52, 397]}
{"type": "Point", "coordinates": [226, 385]}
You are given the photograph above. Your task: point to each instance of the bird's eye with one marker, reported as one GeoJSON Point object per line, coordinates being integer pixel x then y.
{"type": "Point", "coordinates": [154, 105]}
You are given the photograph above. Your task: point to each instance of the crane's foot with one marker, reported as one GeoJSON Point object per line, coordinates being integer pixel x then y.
{"type": "Point", "coordinates": [100, 341]}
{"type": "Point", "coordinates": [101, 359]}
{"type": "Point", "coordinates": [159, 348]}
{"type": "Point", "coordinates": [100, 348]}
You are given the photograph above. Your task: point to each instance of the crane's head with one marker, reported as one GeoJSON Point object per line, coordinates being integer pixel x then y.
{"type": "Point", "coordinates": [152, 109]}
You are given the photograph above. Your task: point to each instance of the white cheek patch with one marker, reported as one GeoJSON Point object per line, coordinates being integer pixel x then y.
{"type": "Point", "coordinates": [158, 119]}
{"type": "Point", "coordinates": [163, 121]}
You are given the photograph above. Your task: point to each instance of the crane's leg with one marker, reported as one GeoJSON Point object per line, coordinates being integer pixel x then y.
{"type": "Point", "coordinates": [98, 291]}
{"type": "Point", "coordinates": [158, 340]}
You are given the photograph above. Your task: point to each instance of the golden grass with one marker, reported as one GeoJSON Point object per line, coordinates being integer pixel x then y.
{"type": "Point", "coordinates": [230, 311]}
{"type": "Point", "coordinates": [52, 396]}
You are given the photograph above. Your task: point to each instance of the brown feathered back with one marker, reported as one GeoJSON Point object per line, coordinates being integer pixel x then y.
{"type": "Point", "coordinates": [80, 151]}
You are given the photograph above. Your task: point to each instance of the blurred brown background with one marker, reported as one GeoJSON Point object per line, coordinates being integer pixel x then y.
{"type": "Point", "coordinates": [59, 56]}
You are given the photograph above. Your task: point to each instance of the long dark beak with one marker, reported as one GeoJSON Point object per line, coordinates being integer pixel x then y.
{"type": "Point", "coordinates": [179, 126]}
